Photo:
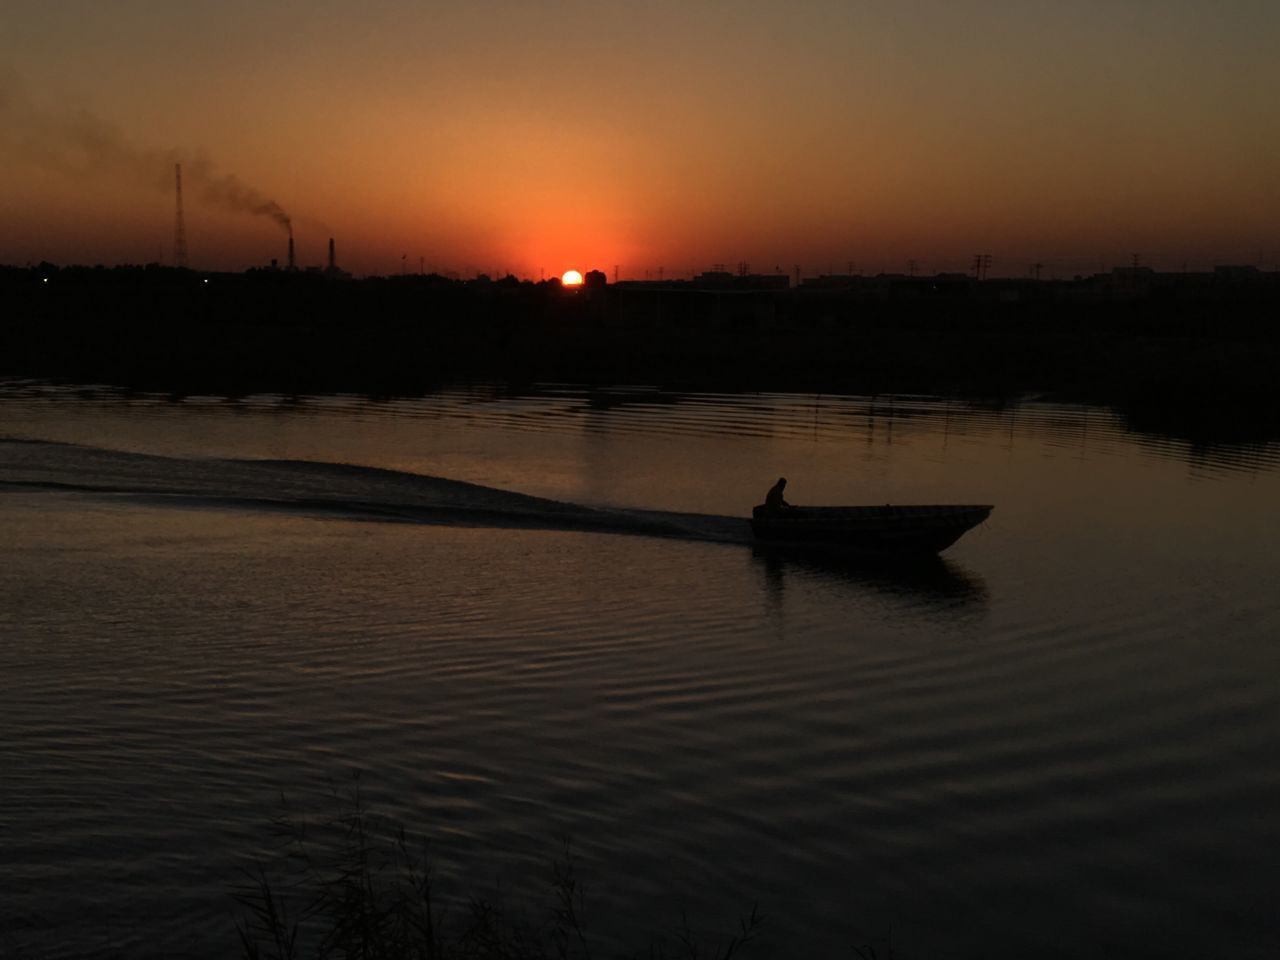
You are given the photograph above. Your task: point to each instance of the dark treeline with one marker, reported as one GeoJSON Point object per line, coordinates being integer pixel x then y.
{"type": "Point", "coordinates": [1198, 357]}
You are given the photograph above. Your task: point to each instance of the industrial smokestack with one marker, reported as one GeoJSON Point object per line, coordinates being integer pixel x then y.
{"type": "Point", "coordinates": [332, 265]}
{"type": "Point", "coordinates": [78, 143]}
{"type": "Point", "coordinates": [292, 265]}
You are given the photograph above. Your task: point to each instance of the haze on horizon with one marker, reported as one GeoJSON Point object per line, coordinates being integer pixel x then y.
{"type": "Point", "coordinates": [543, 137]}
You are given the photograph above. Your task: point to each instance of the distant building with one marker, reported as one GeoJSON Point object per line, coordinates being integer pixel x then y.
{"type": "Point", "coordinates": [1132, 280]}
{"type": "Point", "coordinates": [724, 280]}
{"type": "Point", "coordinates": [831, 281]}
{"type": "Point", "coordinates": [1233, 272]}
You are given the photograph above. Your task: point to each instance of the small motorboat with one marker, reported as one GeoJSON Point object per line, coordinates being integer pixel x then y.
{"type": "Point", "coordinates": [889, 530]}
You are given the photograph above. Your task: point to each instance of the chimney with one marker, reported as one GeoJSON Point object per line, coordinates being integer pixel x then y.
{"type": "Point", "coordinates": [292, 265]}
{"type": "Point", "coordinates": [332, 265]}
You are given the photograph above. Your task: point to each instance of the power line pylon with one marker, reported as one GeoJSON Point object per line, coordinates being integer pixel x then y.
{"type": "Point", "coordinates": [179, 225]}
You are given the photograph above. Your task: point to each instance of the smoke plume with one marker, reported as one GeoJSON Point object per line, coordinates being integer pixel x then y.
{"type": "Point", "coordinates": [81, 145]}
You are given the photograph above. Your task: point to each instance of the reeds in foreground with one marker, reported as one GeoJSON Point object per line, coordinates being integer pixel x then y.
{"type": "Point", "coordinates": [357, 886]}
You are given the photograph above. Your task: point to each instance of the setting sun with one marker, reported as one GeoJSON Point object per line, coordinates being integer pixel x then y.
{"type": "Point", "coordinates": [571, 278]}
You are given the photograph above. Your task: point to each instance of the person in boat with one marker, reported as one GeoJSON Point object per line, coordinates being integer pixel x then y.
{"type": "Point", "coordinates": [773, 501]}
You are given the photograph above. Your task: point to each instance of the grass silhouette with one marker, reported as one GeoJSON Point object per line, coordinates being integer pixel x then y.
{"type": "Point", "coordinates": [358, 885]}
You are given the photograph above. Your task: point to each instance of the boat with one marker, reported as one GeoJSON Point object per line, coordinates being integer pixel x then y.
{"type": "Point", "coordinates": [906, 530]}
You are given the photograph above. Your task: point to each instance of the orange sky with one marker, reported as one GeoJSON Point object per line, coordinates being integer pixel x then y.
{"type": "Point", "coordinates": [532, 137]}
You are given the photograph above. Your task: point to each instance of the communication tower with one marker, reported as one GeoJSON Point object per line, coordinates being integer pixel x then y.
{"type": "Point", "coordinates": [179, 226]}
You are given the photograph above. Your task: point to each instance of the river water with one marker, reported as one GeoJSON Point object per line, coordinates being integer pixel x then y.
{"type": "Point", "coordinates": [529, 618]}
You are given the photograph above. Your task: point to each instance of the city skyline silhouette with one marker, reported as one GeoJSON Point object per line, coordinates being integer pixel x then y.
{"type": "Point", "coordinates": [501, 137]}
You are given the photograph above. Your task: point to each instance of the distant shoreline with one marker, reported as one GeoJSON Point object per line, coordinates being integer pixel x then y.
{"type": "Point", "coordinates": [1200, 362]}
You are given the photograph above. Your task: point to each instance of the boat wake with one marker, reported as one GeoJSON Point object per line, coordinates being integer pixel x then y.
{"type": "Point", "coordinates": [329, 489]}
{"type": "Point", "coordinates": [343, 491]}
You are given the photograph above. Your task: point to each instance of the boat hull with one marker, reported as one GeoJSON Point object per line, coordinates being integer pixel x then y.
{"type": "Point", "coordinates": [908, 530]}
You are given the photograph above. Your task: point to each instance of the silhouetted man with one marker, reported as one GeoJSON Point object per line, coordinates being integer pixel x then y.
{"type": "Point", "coordinates": [773, 501]}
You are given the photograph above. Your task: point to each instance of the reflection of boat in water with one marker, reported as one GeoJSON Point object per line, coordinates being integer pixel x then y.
{"type": "Point", "coordinates": [922, 581]}
{"type": "Point", "coordinates": [908, 530]}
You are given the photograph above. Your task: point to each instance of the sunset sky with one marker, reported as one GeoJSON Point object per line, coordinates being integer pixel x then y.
{"type": "Point", "coordinates": [543, 136]}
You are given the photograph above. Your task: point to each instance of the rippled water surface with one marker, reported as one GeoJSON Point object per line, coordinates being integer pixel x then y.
{"type": "Point", "coordinates": [525, 618]}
